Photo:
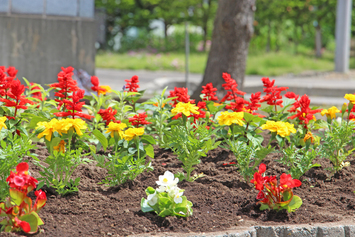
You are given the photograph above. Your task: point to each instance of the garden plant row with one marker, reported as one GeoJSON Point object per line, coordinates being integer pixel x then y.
{"type": "Point", "coordinates": [122, 137]}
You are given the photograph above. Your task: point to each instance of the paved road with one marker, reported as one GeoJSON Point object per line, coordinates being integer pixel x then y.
{"type": "Point", "coordinates": [323, 88]}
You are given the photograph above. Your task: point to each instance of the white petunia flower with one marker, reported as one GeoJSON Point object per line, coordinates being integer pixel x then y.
{"type": "Point", "coordinates": [152, 199]}
{"type": "Point", "coordinates": [167, 179]}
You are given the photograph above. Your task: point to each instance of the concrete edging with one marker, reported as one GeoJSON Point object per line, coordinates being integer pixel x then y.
{"type": "Point", "coordinates": [284, 231]}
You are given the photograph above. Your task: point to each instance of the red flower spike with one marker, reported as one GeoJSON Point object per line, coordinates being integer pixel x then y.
{"type": "Point", "coordinates": [273, 93]}
{"type": "Point", "coordinates": [74, 106]}
{"type": "Point", "coordinates": [209, 92]}
{"type": "Point", "coordinates": [65, 86]}
{"type": "Point", "coordinates": [108, 115]}
{"type": "Point", "coordinates": [132, 84]}
{"type": "Point", "coordinates": [182, 96]}
{"type": "Point", "coordinates": [303, 112]}
{"type": "Point", "coordinates": [139, 119]}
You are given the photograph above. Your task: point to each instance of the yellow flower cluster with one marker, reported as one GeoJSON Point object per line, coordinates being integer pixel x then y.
{"type": "Point", "coordinates": [350, 97]}
{"type": "Point", "coordinates": [128, 134]}
{"type": "Point", "coordinates": [61, 126]}
{"type": "Point", "coordinates": [330, 112]}
{"type": "Point", "coordinates": [281, 128]}
{"type": "Point", "coordinates": [309, 135]}
{"type": "Point", "coordinates": [185, 108]}
{"type": "Point", "coordinates": [229, 118]}
{"type": "Point", "coordinates": [2, 122]}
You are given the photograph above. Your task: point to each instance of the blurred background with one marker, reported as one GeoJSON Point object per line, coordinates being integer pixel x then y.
{"type": "Point", "coordinates": [291, 36]}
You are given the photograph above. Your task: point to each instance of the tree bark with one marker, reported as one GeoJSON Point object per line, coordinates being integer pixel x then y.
{"type": "Point", "coordinates": [233, 29]}
{"type": "Point", "coordinates": [318, 41]}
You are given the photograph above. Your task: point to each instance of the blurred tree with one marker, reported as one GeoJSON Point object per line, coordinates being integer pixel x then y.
{"type": "Point", "coordinates": [203, 13]}
{"type": "Point", "coordinates": [123, 14]}
{"type": "Point", "coordinates": [233, 28]}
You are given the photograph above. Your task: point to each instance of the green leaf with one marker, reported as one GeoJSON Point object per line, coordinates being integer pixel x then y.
{"type": "Point", "coordinates": [295, 203]}
{"type": "Point", "coordinates": [149, 190]}
{"type": "Point", "coordinates": [32, 220]}
{"type": "Point", "coordinates": [36, 119]}
{"type": "Point", "coordinates": [316, 165]}
{"type": "Point", "coordinates": [17, 196]}
{"type": "Point", "coordinates": [148, 139]}
{"type": "Point", "coordinates": [286, 195]}
{"type": "Point", "coordinates": [264, 207]}
{"type": "Point", "coordinates": [101, 138]}
{"type": "Point", "coordinates": [165, 212]}
{"type": "Point", "coordinates": [149, 150]}
{"type": "Point", "coordinates": [174, 122]}
{"type": "Point", "coordinates": [145, 206]}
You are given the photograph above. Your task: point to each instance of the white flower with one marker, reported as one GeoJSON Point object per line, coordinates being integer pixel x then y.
{"type": "Point", "coordinates": [152, 199]}
{"type": "Point", "coordinates": [167, 179]}
{"type": "Point", "coordinates": [177, 197]}
{"type": "Point", "coordinates": [161, 189]}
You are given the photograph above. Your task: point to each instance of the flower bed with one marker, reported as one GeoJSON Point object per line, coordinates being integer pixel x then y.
{"type": "Point", "coordinates": [236, 163]}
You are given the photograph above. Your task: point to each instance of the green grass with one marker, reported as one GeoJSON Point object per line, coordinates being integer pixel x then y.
{"type": "Point", "coordinates": [266, 64]}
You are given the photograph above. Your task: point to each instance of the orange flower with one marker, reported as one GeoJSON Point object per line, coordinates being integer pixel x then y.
{"type": "Point", "coordinates": [309, 135]}
{"type": "Point", "coordinates": [156, 104]}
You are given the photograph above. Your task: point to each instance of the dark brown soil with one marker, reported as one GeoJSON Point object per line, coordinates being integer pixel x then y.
{"type": "Point", "coordinates": [221, 200]}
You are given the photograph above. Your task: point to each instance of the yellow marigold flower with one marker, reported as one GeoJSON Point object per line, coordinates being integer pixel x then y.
{"type": "Point", "coordinates": [64, 125]}
{"type": "Point", "coordinates": [330, 112]}
{"type": "Point", "coordinates": [217, 104]}
{"type": "Point", "coordinates": [108, 90]}
{"type": "Point", "coordinates": [309, 135]}
{"type": "Point", "coordinates": [229, 118]}
{"type": "Point", "coordinates": [116, 127]}
{"type": "Point", "coordinates": [50, 128]}
{"type": "Point", "coordinates": [185, 108]}
{"type": "Point", "coordinates": [60, 147]}
{"type": "Point", "coordinates": [132, 133]}
{"type": "Point", "coordinates": [281, 128]}
{"type": "Point", "coordinates": [350, 97]}
{"type": "Point", "coordinates": [2, 122]}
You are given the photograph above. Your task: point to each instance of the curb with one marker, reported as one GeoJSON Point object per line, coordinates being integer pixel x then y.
{"type": "Point", "coordinates": [284, 231]}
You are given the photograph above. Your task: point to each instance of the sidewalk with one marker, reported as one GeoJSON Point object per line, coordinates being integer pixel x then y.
{"type": "Point", "coordinates": [326, 88]}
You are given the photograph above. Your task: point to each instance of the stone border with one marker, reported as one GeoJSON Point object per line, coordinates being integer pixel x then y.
{"type": "Point", "coordinates": [284, 231]}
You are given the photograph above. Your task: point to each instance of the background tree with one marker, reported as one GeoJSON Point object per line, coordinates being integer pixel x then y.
{"type": "Point", "coordinates": [233, 29]}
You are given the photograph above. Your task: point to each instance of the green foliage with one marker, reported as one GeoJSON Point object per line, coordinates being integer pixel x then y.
{"type": "Point", "coordinates": [337, 143]}
{"type": "Point", "coordinates": [299, 160]}
{"type": "Point", "coordinates": [190, 143]}
{"type": "Point", "coordinates": [248, 156]}
{"type": "Point", "coordinates": [59, 169]}
{"type": "Point", "coordinates": [13, 148]}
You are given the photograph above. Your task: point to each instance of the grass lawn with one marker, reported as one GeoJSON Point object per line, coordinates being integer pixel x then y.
{"type": "Point", "coordinates": [268, 64]}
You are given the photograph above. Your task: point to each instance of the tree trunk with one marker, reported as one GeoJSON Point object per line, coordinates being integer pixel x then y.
{"type": "Point", "coordinates": [233, 29]}
{"type": "Point", "coordinates": [318, 41]}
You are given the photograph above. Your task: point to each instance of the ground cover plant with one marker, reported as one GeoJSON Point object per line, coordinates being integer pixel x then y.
{"type": "Point", "coordinates": [110, 156]}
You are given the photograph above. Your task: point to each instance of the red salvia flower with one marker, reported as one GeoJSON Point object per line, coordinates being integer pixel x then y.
{"type": "Point", "coordinates": [238, 105]}
{"type": "Point", "coordinates": [201, 109]}
{"type": "Point", "coordinates": [108, 115]}
{"type": "Point", "coordinates": [182, 96]}
{"type": "Point", "coordinates": [65, 86]}
{"type": "Point", "coordinates": [231, 87]}
{"type": "Point", "coordinates": [15, 93]}
{"type": "Point", "coordinates": [291, 95]}
{"type": "Point", "coordinates": [6, 78]}
{"type": "Point", "coordinates": [74, 106]}
{"type": "Point", "coordinates": [139, 119]}
{"type": "Point", "coordinates": [132, 84]}
{"type": "Point", "coordinates": [209, 92]}
{"type": "Point", "coordinates": [303, 112]}
{"type": "Point", "coordinates": [95, 82]}
{"type": "Point", "coordinates": [273, 93]}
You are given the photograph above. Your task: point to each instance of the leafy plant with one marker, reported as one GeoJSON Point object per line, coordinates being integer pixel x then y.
{"type": "Point", "coordinates": [167, 199]}
{"type": "Point", "coordinates": [276, 196]}
{"type": "Point", "coordinates": [190, 143]}
{"type": "Point", "coordinates": [59, 169]}
{"type": "Point", "coordinates": [18, 210]}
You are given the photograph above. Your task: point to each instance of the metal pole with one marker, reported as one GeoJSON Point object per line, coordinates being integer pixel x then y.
{"type": "Point", "coordinates": [342, 35]}
{"type": "Point", "coordinates": [187, 51]}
